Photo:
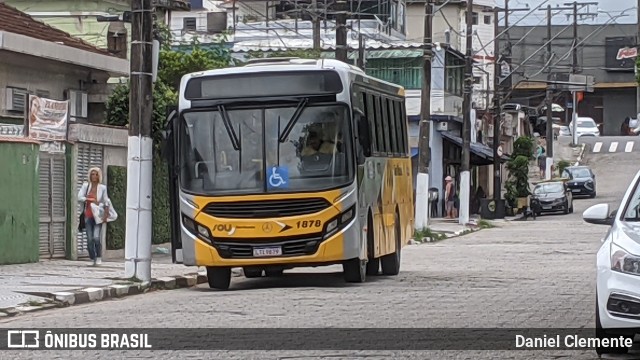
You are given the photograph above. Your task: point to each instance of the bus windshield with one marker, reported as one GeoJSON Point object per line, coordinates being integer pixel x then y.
{"type": "Point", "coordinates": [229, 151]}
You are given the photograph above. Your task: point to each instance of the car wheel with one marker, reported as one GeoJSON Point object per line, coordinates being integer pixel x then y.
{"type": "Point", "coordinates": [252, 272]}
{"type": "Point", "coordinates": [601, 334]}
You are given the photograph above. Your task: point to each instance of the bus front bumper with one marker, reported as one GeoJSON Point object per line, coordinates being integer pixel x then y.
{"type": "Point", "coordinates": [344, 245]}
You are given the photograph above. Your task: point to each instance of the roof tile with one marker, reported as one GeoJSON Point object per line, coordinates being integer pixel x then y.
{"type": "Point", "coordinates": [15, 21]}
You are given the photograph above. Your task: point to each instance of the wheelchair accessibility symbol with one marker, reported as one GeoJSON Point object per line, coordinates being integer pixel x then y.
{"type": "Point", "coordinates": [278, 178]}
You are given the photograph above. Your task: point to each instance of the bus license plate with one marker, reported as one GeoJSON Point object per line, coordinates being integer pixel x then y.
{"type": "Point", "coordinates": [268, 251]}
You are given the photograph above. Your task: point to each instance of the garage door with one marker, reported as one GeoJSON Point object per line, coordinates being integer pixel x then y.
{"type": "Point", "coordinates": [53, 206]}
{"type": "Point", "coordinates": [88, 157]}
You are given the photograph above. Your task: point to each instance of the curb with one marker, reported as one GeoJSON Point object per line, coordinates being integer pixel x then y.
{"type": "Point", "coordinates": [446, 234]}
{"type": "Point", "coordinates": [581, 156]}
{"type": "Point", "coordinates": [94, 294]}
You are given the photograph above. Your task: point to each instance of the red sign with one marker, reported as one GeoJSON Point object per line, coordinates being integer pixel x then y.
{"type": "Point", "coordinates": [627, 53]}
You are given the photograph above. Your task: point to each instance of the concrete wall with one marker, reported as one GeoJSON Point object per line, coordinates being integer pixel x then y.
{"type": "Point", "coordinates": [19, 198]}
{"type": "Point", "coordinates": [617, 104]}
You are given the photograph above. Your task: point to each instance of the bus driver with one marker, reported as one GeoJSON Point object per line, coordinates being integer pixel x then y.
{"type": "Point", "coordinates": [315, 144]}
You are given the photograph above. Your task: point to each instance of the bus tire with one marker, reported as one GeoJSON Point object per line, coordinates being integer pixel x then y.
{"type": "Point", "coordinates": [355, 270]}
{"type": "Point", "coordinates": [252, 272]}
{"type": "Point", "coordinates": [391, 262]}
{"type": "Point", "coordinates": [373, 263]}
{"type": "Point", "coordinates": [219, 277]}
{"type": "Point", "coordinates": [274, 272]}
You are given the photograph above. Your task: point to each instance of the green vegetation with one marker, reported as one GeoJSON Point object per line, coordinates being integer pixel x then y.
{"type": "Point", "coordinates": [117, 185]}
{"type": "Point", "coordinates": [562, 164]}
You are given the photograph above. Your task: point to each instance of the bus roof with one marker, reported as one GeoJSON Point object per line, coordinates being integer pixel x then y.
{"type": "Point", "coordinates": [288, 64]}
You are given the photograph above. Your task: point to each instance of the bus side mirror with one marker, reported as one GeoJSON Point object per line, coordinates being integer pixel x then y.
{"type": "Point", "coordinates": [364, 141]}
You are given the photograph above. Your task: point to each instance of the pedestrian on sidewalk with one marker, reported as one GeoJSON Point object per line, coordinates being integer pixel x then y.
{"type": "Point", "coordinates": [542, 160]}
{"type": "Point", "coordinates": [449, 197]}
{"type": "Point", "coordinates": [94, 192]}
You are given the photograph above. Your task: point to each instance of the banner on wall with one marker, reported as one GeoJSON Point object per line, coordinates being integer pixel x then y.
{"type": "Point", "coordinates": [47, 119]}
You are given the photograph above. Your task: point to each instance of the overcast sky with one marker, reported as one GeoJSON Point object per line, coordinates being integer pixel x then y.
{"type": "Point", "coordinates": [613, 7]}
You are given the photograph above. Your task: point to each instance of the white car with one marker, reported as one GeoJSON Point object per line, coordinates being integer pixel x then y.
{"type": "Point", "coordinates": [618, 268]}
{"type": "Point", "coordinates": [586, 126]}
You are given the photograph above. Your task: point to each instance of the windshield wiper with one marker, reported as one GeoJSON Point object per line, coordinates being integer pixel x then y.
{"type": "Point", "coordinates": [235, 141]}
{"type": "Point", "coordinates": [293, 120]}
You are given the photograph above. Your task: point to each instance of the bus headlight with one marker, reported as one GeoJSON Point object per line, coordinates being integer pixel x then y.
{"type": "Point", "coordinates": [332, 226]}
{"type": "Point", "coordinates": [195, 228]}
{"type": "Point", "coordinates": [339, 222]}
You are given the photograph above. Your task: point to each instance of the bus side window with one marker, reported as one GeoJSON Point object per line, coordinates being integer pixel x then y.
{"type": "Point", "coordinates": [364, 141]}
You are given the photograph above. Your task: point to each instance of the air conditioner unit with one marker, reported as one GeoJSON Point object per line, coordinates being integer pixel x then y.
{"type": "Point", "coordinates": [442, 126]}
{"type": "Point", "coordinates": [16, 99]}
{"type": "Point", "coordinates": [78, 104]}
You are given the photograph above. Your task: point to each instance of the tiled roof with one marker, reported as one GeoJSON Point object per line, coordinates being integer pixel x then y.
{"type": "Point", "coordinates": [15, 21]}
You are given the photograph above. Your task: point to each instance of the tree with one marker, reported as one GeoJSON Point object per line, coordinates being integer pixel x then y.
{"type": "Point", "coordinates": [171, 67]}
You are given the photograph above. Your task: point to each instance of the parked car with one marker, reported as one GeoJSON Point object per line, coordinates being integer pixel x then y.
{"type": "Point", "coordinates": [581, 180]}
{"type": "Point", "coordinates": [551, 196]}
{"type": "Point", "coordinates": [618, 268]}
{"type": "Point", "coordinates": [586, 126]}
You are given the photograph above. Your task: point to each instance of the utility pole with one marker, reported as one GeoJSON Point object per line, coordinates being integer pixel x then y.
{"type": "Point", "coordinates": [361, 51]}
{"type": "Point", "coordinates": [497, 96]}
{"type": "Point", "coordinates": [424, 154]}
{"type": "Point", "coordinates": [140, 150]}
{"type": "Point", "coordinates": [465, 175]}
{"type": "Point", "coordinates": [341, 31]}
{"type": "Point", "coordinates": [315, 20]}
{"type": "Point", "coordinates": [549, 101]}
{"type": "Point", "coordinates": [574, 64]}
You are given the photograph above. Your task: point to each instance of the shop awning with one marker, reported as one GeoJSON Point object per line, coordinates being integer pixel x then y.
{"type": "Point", "coordinates": [481, 154]}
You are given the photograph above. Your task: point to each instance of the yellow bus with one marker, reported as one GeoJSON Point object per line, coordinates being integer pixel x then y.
{"type": "Point", "coordinates": [286, 163]}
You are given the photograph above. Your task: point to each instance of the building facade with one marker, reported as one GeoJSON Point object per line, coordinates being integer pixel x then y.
{"type": "Point", "coordinates": [605, 52]}
{"type": "Point", "coordinates": [449, 28]}
{"type": "Point", "coordinates": [37, 59]}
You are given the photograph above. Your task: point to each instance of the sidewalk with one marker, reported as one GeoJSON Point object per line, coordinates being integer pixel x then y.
{"type": "Point", "coordinates": [441, 228]}
{"type": "Point", "coordinates": [53, 283]}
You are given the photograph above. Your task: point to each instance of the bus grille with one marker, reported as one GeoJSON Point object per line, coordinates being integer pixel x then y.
{"type": "Point", "coordinates": [266, 209]}
{"type": "Point", "coordinates": [294, 247]}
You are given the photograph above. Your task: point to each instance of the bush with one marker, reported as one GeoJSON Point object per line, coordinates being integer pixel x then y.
{"type": "Point", "coordinates": [517, 185]}
{"type": "Point", "coordinates": [562, 164]}
{"type": "Point", "coordinates": [523, 146]}
{"type": "Point", "coordinates": [117, 185]}
{"type": "Point", "coordinates": [161, 215]}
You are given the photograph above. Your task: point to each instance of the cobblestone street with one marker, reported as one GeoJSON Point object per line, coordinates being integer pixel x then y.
{"type": "Point", "coordinates": [524, 274]}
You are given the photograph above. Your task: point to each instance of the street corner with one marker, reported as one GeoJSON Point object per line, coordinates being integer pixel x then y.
{"type": "Point", "coordinates": [435, 233]}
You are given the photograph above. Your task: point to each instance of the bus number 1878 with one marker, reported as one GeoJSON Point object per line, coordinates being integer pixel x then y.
{"type": "Point", "coordinates": [309, 223]}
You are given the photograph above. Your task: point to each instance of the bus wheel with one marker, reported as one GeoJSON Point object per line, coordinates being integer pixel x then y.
{"type": "Point", "coordinates": [355, 270]}
{"type": "Point", "coordinates": [252, 272]}
{"type": "Point", "coordinates": [219, 277]}
{"type": "Point", "coordinates": [373, 265]}
{"type": "Point", "coordinates": [391, 262]}
{"type": "Point", "coordinates": [274, 272]}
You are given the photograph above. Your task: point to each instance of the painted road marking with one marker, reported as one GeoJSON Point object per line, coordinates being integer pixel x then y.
{"type": "Point", "coordinates": [629, 146]}
{"type": "Point", "coordinates": [613, 146]}
{"type": "Point", "coordinates": [596, 147]}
